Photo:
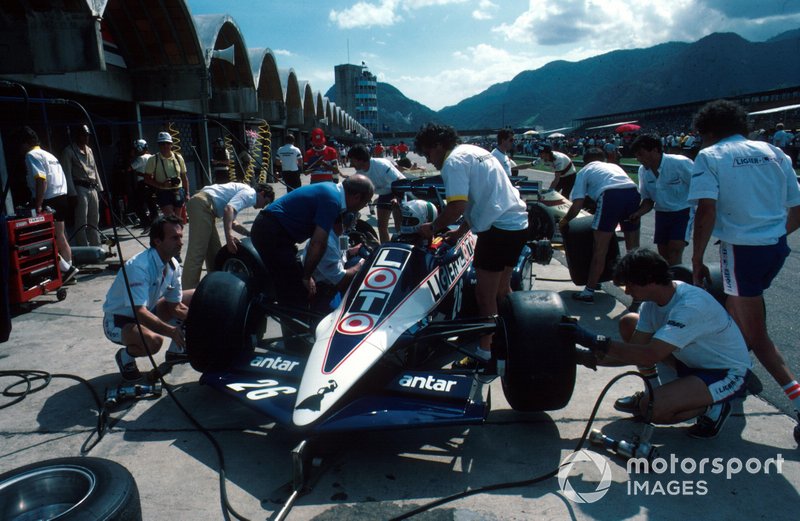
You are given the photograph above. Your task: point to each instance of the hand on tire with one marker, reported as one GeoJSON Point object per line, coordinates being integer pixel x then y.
{"type": "Point", "coordinates": [584, 337]}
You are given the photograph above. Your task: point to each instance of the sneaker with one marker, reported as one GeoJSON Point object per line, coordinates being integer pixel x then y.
{"type": "Point", "coordinates": [583, 296]}
{"type": "Point", "coordinates": [706, 428]}
{"type": "Point", "coordinates": [129, 371]}
{"type": "Point", "coordinates": [176, 357]}
{"type": "Point", "coordinates": [629, 404]}
{"type": "Point", "coordinates": [68, 277]}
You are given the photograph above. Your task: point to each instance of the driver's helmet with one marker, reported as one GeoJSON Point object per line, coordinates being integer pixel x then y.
{"type": "Point", "coordinates": [140, 145]}
{"type": "Point", "coordinates": [416, 213]}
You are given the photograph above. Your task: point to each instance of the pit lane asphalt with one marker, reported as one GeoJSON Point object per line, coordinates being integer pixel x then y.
{"type": "Point", "coordinates": [376, 475]}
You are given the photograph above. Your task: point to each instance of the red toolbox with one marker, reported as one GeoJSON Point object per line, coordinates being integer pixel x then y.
{"type": "Point", "coordinates": [33, 266]}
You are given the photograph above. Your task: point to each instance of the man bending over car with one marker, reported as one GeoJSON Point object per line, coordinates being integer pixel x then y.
{"type": "Point", "coordinates": [477, 187]}
{"type": "Point", "coordinates": [680, 325]}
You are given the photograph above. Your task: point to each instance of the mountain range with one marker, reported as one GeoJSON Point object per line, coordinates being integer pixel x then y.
{"type": "Point", "coordinates": [719, 65]}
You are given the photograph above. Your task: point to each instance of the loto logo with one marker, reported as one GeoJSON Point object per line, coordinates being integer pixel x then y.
{"type": "Point", "coordinates": [598, 462]}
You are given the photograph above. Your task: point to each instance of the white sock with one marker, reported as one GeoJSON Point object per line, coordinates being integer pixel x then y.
{"type": "Point", "coordinates": [587, 290]}
{"type": "Point", "coordinates": [792, 390]}
{"type": "Point", "coordinates": [64, 265]}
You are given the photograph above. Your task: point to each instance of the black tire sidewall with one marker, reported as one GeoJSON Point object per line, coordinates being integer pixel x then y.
{"type": "Point", "coordinates": [115, 496]}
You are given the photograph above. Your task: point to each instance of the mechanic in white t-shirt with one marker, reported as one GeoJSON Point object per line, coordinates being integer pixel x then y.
{"type": "Point", "coordinates": [617, 198]}
{"type": "Point", "coordinates": [563, 170]}
{"type": "Point", "coordinates": [682, 326]}
{"type": "Point", "coordinates": [477, 188]}
{"type": "Point", "coordinates": [747, 197]}
{"type": "Point", "coordinates": [159, 303]}
{"type": "Point", "coordinates": [48, 185]}
{"type": "Point", "coordinates": [223, 201]}
{"type": "Point", "coordinates": [664, 185]}
{"type": "Point", "coordinates": [291, 159]}
{"type": "Point", "coordinates": [382, 173]}
{"type": "Point", "coordinates": [505, 143]}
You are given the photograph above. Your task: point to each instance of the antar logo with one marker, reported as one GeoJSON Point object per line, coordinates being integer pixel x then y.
{"type": "Point", "coordinates": [277, 363]}
{"type": "Point", "coordinates": [430, 383]}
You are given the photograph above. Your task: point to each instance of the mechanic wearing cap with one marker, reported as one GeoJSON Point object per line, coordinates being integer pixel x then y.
{"type": "Point", "coordinates": [221, 162]}
{"type": "Point", "coordinates": [477, 187]}
{"type": "Point", "coordinates": [166, 173]}
{"type": "Point", "coordinates": [320, 161]}
{"type": "Point", "coordinates": [306, 213]}
{"type": "Point", "coordinates": [563, 169]}
{"type": "Point", "coordinates": [679, 325]}
{"type": "Point", "coordinates": [81, 170]}
{"type": "Point", "coordinates": [382, 173]}
{"type": "Point", "coordinates": [223, 200]}
{"type": "Point", "coordinates": [143, 202]}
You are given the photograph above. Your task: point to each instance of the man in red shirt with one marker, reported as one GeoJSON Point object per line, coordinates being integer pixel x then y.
{"type": "Point", "coordinates": [320, 161]}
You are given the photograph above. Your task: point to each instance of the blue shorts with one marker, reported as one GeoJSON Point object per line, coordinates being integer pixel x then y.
{"type": "Point", "coordinates": [672, 226]}
{"type": "Point", "coordinates": [723, 384]}
{"type": "Point", "coordinates": [748, 270]}
{"type": "Point", "coordinates": [614, 207]}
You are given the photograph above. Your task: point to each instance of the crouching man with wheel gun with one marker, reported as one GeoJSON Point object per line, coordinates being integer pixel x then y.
{"type": "Point", "coordinates": [679, 325]}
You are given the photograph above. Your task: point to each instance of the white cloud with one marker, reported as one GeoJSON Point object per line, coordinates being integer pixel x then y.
{"type": "Point", "coordinates": [283, 52]}
{"type": "Point", "coordinates": [484, 10]}
{"type": "Point", "coordinates": [477, 68]}
{"type": "Point", "coordinates": [383, 14]}
{"type": "Point", "coordinates": [364, 14]}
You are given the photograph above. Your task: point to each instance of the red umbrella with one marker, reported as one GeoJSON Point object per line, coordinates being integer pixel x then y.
{"type": "Point", "coordinates": [627, 127]}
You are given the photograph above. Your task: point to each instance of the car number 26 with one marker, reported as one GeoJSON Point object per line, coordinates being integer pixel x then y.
{"type": "Point", "coordinates": [262, 389]}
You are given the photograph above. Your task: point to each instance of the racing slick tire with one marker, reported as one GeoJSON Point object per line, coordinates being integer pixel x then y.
{"type": "Point", "coordinates": [220, 322]}
{"type": "Point", "coordinates": [541, 224]}
{"type": "Point", "coordinates": [540, 361]}
{"type": "Point", "coordinates": [74, 489]}
{"type": "Point", "coordinates": [683, 273]}
{"type": "Point", "coordinates": [578, 246]}
{"type": "Point", "coordinates": [245, 263]}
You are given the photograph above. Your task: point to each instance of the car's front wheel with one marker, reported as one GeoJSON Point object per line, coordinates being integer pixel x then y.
{"type": "Point", "coordinates": [540, 363]}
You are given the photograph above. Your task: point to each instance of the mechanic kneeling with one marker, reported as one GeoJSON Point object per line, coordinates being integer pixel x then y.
{"type": "Point", "coordinates": [159, 302]}
{"type": "Point", "coordinates": [680, 325]}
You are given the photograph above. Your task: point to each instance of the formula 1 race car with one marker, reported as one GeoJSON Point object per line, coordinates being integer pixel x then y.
{"type": "Point", "coordinates": [383, 357]}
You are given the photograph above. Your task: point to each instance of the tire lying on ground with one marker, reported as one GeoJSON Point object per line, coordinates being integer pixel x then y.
{"type": "Point", "coordinates": [220, 322]}
{"type": "Point", "coordinates": [683, 273]}
{"type": "Point", "coordinates": [540, 364]}
{"type": "Point", "coordinates": [74, 489]}
{"type": "Point", "coordinates": [578, 246]}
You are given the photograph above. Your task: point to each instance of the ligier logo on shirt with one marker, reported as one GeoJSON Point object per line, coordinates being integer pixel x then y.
{"type": "Point", "coordinates": [751, 161]}
{"type": "Point", "coordinates": [675, 324]}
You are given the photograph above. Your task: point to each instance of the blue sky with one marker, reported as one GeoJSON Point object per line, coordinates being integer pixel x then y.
{"type": "Point", "coordinates": [439, 52]}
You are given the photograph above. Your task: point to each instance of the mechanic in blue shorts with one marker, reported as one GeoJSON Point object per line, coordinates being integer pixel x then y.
{"type": "Point", "coordinates": [748, 198]}
{"type": "Point", "coordinates": [477, 187]}
{"type": "Point", "coordinates": [664, 185]}
{"type": "Point", "coordinates": [680, 325]}
{"type": "Point", "coordinates": [617, 198]}
{"type": "Point", "coordinates": [308, 212]}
